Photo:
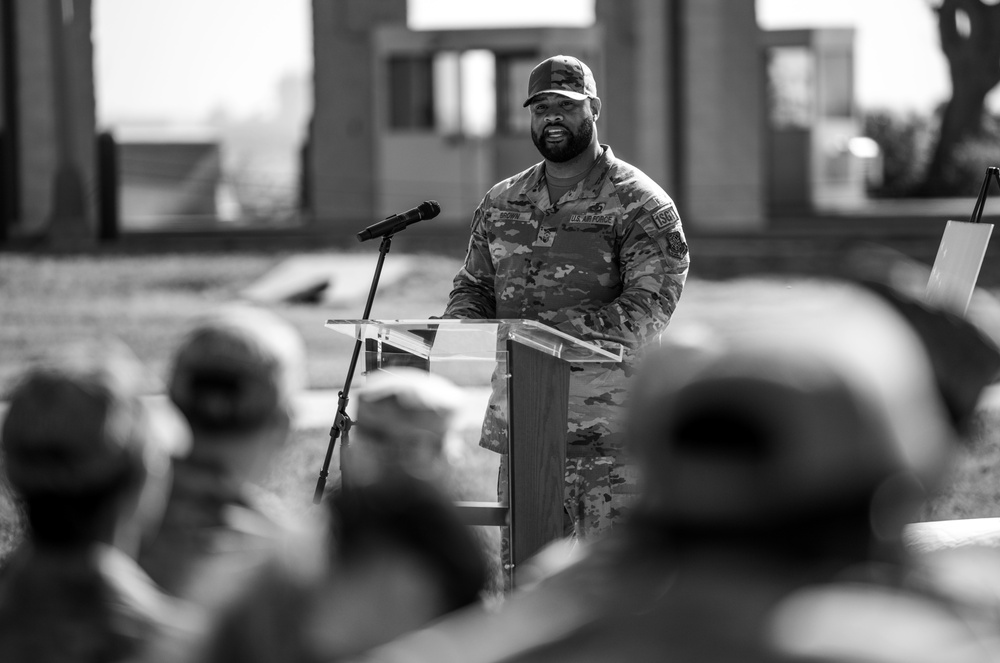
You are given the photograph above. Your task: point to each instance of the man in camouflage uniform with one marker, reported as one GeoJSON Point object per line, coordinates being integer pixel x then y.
{"type": "Point", "coordinates": [590, 245]}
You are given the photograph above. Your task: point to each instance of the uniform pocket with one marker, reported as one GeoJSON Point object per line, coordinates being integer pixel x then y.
{"type": "Point", "coordinates": [600, 491]}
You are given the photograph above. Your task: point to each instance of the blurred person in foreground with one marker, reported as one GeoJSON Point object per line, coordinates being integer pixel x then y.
{"type": "Point", "coordinates": [406, 422]}
{"type": "Point", "coordinates": [960, 559]}
{"type": "Point", "coordinates": [91, 462]}
{"type": "Point", "coordinates": [590, 245]}
{"type": "Point", "coordinates": [392, 555]}
{"type": "Point", "coordinates": [782, 452]}
{"type": "Point", "coordinates": [395, 558]}
{"type": "Point", "coordinates": [234, 377]}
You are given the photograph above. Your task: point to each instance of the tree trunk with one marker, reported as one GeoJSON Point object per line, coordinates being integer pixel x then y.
{"type": "Point", "coordinates": [974, 63]}
{"type": "Point", "coordinates": [962, 118]}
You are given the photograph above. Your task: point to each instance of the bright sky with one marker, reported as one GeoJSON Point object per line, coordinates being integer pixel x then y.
{"type": "Point", "coordinates": [182, 59]}
{"type": "Point", "coordinates": [898, 58]}
{"type": "Point", "coordinates": [447, 14]}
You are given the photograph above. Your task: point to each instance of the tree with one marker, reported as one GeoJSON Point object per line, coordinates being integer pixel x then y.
{"type": "Point", "coordinates": [970, 39]}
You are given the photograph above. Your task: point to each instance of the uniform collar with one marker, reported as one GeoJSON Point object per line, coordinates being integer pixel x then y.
{"type": "Point", "coordinates": [535, 189]}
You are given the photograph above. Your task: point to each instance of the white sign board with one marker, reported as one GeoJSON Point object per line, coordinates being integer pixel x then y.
{"type": "Point", "coordinates": [956, 267]}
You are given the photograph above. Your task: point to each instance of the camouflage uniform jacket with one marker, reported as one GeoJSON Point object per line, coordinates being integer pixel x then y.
{"type": "Point", "coordinates": [607, 262]}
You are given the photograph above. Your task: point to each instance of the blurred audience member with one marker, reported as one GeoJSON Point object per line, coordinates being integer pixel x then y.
{"type": "Point", "coordinates": [782, 452]}
{"type": "Point", "coordinates": [406, 421]}
{"type": "Point", "coordinates": [91, 463]}
{"type": "Point", "coordinates": [234, 377]}
{"type": "Point", "coordinates": [395, 558]}
{"type": "Point", "coordinates": [964, 348]}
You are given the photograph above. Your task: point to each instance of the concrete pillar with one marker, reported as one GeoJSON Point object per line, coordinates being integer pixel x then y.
{"type": "Point", "coordinates": [56, 125]}
{"type": "Point", "coordinates": [722, 116]}
{"type": "Point", "coordinates": [682, 95]}
{"type": "Point", "coordinates": [637, 86]}
{"type": "Point", "coordinates": [342, 156]}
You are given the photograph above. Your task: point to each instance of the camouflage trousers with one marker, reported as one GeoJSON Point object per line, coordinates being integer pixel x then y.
{"type": "Point", "coordinates": [599, 492]}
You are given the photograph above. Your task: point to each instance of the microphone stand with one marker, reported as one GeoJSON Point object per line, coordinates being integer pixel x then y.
{"type": "Point", "coordinates": [341, 422]}
{"type": "Point", "coordinates": [977, 211]}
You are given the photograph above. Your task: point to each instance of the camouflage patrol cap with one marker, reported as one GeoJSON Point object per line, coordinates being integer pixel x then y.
{"type": "Point", "coordinates": [236, 369]}
{"type": "Point", "coordinates": [562, 74]}
{"type": "Point", "coordinates": [77, 423]}
{"type": "Point", "coordinates": [407, 403]}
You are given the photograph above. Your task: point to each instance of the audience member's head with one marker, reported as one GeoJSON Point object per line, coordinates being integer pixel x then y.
{"type": "Point", "coordinates": [414, 517]}
{"type": "Point", "coordinates": [406, 420]}
{"type": "Point", "coordinates": [396, 558]}
{"type": "Point", "coordinates": [400, 558]}
{"type": "Point", "coordinates": [89, 456]}
{"type": "Point", "coordinates": [235, 376]}
{"type": "Point", "coordinates": [821, 415]}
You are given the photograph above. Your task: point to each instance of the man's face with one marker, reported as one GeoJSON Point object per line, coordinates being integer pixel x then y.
{"type": "Point", "coordinates": [561, 128]}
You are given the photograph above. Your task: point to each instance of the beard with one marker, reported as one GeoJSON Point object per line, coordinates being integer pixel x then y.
{"type": "Point", "coordinates": [573, 147]}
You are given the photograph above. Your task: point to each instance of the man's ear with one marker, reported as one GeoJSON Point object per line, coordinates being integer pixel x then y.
{"type": "Point", "coordinates": [595, 107]}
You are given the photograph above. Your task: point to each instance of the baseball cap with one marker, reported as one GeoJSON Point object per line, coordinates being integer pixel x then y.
{"type": "Point", "coordinates": [78, 422]}
{"type": "Point", "coordinates": [236, 369]}
{"type": "Point", "coordinates": [562, 74]}
{"type": "Point", "coordinates": [788, 410]}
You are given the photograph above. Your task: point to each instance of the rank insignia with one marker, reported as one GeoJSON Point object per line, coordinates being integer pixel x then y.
{"type": "Point", "coordinates": [545, 237]}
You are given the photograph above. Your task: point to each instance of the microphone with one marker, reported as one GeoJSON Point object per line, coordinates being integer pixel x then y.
{"type": "Point", "coordinates": [393, 224]}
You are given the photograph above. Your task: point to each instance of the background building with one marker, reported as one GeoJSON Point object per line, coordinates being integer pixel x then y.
{"type": "Point", "coordinates": [681, 83]}
{"type": "Point", "coordinates": [739, 126]}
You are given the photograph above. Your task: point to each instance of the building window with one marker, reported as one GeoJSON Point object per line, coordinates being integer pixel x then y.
{"type": "Point", "coordinates": [411, 92]}
{"type": "Point", "coordinates": [452, 93]}
{"type": "Point", "coordinates": [791, 87]}
{"type": "Point", "coordinates": [838, 84]}
{"type": "Point", "coordinates": [512, 86]}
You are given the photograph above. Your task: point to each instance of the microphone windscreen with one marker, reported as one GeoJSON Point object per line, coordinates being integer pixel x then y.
{"type": "Point", "coordinates": [429, 209]}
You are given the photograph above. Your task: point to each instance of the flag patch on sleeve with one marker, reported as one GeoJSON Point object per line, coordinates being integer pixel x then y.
{"type": "Point", "coordinates": [666, 217]}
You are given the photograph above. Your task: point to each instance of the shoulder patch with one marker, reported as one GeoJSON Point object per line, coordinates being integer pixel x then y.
{"type": "Point", "coordinates": [676, 246]}
{"type": "Point", "coordinates": [666, 217]}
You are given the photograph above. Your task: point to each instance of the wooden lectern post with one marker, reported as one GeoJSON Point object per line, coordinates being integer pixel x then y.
{"type": "Point", "coordinates": [538, 396]}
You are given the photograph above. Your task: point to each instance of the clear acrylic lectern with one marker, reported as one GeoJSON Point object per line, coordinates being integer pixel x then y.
{"type": "Point", "coordinates": [524, 360]}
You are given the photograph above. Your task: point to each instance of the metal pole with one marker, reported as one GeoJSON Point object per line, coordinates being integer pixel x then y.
{"type": "Point", "coordinates": [342, 422]}
{"type": "Point", "coordinates": [977, 211]}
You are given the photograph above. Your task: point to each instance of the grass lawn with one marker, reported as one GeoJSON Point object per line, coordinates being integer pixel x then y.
{"type": "Point", "coordinates": [148, 301]}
